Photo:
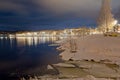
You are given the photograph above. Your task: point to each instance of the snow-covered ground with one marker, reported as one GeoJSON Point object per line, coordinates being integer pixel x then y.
{"type": "Point", "coordinates": [96, 47]}
{"type": "Point", "coordinates": [103, 53]}
{"type": "Point", "coordinates": [89, 77]}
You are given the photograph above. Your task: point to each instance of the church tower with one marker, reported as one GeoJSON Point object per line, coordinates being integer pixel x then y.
{"type": "Point", "coordinates": [105, 19]}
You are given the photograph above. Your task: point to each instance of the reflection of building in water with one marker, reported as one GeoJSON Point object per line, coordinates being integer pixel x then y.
{"type": "Point", "coordinates": [36, 40]}
{"type": "Point", "coordinates": [1, 37]}
{"type": "Point", "coordinates": [29, 41]}
{"type": "Point", "coordinates": [22, 41]}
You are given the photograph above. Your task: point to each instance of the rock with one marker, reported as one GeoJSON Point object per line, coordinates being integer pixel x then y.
{"type": "Point", "coordinates": [49, 67]}
{"type": "Point", "coordinates": [64, 65]}
{"type": "Point", "coordinates": [89, 77]}
{"type": "Point", "coordinates": [23, 78]}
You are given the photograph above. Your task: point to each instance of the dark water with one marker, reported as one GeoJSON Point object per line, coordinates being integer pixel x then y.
{"type": "Point", "coordinates": [27, 55]}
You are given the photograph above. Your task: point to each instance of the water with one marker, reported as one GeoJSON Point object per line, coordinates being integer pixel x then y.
{"type": "Point", "coordinates": [27, 55]}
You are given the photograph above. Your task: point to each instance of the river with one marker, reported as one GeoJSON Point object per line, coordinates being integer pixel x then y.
{"type": "Point", "coordinates": [27, 55]}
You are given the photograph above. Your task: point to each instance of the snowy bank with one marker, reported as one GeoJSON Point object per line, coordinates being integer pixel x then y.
{"type": "Point", "coordinates": [93, 47]}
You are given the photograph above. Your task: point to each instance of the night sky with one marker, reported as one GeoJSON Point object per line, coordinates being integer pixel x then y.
{"type": "Point", "coordinates": [50, 14]}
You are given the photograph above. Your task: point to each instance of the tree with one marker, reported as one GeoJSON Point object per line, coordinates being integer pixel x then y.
{"type": "Point", "coordinates": [105, 19]}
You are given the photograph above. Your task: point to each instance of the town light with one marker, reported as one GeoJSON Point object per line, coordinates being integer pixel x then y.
{"type": "Point", "coordinates": [115, 22]}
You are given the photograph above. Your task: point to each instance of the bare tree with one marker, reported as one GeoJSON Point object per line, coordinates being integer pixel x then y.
{"type": "Point", "coordinates": [105, 18]}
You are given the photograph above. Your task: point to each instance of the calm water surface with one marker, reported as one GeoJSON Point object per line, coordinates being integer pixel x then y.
{"type": "Point", "coordinates": [29, 55]}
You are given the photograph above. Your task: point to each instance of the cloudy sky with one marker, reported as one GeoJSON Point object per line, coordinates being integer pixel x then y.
{"type": "Point", "coordinates": [50, 14]}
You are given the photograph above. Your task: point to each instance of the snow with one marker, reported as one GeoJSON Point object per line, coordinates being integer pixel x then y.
{"type": "Point", "coordinates": [96, 47]}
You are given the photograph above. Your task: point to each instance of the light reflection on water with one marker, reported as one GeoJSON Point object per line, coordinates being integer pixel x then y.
{"type": "Point", "coordinates": [27, 54]}
{"type": "Point", "coordinates": [29, 41]}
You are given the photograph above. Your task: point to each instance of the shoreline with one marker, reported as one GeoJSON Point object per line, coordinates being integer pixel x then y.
{"type": "Point", "coordinates": [93, 47]}
{"type": "Point", "coordinates": [95, 64]}
{"type": "Point", "coordinates": [105, 50]}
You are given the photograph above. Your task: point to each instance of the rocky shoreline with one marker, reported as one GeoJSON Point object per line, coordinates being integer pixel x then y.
{"type": "Point", "coordinates": [76, 70]}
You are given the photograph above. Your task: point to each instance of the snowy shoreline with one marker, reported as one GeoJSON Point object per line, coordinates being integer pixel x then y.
{"type": "Point", "coordinates": [96, 58]}
{"type": "Point", "coordinates": [93, 47]}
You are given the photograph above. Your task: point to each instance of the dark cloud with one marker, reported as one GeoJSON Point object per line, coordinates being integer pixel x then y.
{"type": "Point", "coordinates": [49, 14]}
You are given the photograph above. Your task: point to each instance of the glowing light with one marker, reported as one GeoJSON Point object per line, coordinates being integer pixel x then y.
{"type": "Point", "coordinates": [35, 33]}
{"type": "Point", "coordinates": [28, 34]}
{"type": "Point", "coordinates": [1, 37]}
{"type": "Point", "coordinates": [20, 34]}
{"type": "Point", "coordinates": [30, 40]}
{"type": "Point", "coordinates": [115, 22]}
{"type": "Point", "coordinates": [21, 41]}
{"type": "Point", "coordinates": [11, 36]}
{"type": "Point", "coordinates": [35, 40]}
